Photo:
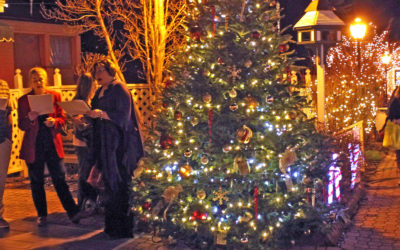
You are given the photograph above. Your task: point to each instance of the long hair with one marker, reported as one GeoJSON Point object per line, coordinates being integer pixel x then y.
{"type": "Point", "coordinates": [395, 94]}
{"type": "Point", "coordinates": [108, 65]}
{"type": "Point", "coordinates": [85, 87]}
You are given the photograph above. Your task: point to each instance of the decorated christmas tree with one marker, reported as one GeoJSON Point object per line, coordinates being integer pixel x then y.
{"type": "Point", "coordinates": [232, 158]}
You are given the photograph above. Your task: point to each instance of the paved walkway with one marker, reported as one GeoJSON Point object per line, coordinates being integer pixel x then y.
{"type": "Point", "coordinates": [60, 233]}
{"type": "Point", "coordinates": [377, 223]}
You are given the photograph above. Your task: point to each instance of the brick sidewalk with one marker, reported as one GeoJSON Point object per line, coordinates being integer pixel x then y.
{"type": "Point", "coordinates": [60, 233]}
{"type": "Point", "coordinates": [377, 223]}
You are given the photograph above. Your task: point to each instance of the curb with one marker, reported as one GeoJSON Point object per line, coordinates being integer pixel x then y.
{"type": "Point", "coordinates": [338, 227]}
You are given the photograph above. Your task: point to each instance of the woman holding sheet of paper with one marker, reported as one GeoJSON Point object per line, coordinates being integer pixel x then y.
{"type": "Point", "coordinates": [82, 141]}
{"type": "Point", "coordinates": [117, 144]}
{"type": "Point", "coordinates": [5, 143]}
{"type": "Point", "coordinates": [42, 144]}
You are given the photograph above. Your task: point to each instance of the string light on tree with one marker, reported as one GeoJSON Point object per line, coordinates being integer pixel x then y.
{"type": "Point", "coordinates": [227, 121]}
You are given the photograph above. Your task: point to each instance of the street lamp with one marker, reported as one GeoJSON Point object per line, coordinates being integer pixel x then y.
{"type": "Point", "coordinates": [386, 59]}
{"type": "Point", "coordinates": [358, 29]}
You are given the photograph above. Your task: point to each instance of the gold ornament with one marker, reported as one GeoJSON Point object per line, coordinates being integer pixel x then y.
{"type": "Point", "coordinates": [252, 103]}
{"type": "Point", "coordinates": [288, 158]}
{"type": "Point", "coordinates": [220, 196]}
{"type": "Point", "coordinates": [240, 164]}
{"type": "Point", "coordinates": [244, 134]}
{"type": "Point", "coordinates": [185, 171]}
{"type": "Point", "coordinates": [227, 148]}
{"type": "Point", "coordinates": [194, 121]}
{"type": "Point", "coordinates": [172, 192]}
{"type": "Point", "coordinates": [188, 153]}
{"type": "Point", "coordinates": [140, 167]}
{"type": "Point", "coordinates": [232, 93]}
{"type": "Point", "coordinates": [244, 239]}
{"type": "Point", "coordinates": [248, 64]}
{"type": "Point", "coordinates": [233, 107]}
{"type": "Point", "coordinates": [201, 194]}
{"type": "Point", "coordinates": [207, 98]}
{"type": "Point", "coordinates": [246, 217]}
{"type": "Point", "coordinates": [204, 160]}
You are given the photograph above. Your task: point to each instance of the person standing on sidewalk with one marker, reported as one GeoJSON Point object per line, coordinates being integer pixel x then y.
{"type": "Point", "coordinates": [5, 146]}
{"type": "Point", "coordinates": [82, 141]}
{"type": "Point", "coordinates": [42, 144]}
{"type": "Point", "coordinates": [394, 116]}
{"type": "Point", "coordinates": [118, 147]}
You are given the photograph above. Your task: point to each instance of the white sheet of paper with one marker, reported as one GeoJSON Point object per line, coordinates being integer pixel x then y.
{"type": "Point", "coordinates": [43, 104]}
{"type": "Point", "coordinates": [75, 107]}
{"type": "Point", "coordinates": [3, 103]}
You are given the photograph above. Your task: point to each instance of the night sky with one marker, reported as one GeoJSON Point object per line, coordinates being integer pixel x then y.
{"type": "Point", "coordinates": [379, 12]}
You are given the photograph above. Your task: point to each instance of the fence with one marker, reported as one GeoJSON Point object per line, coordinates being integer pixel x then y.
{"type": "Point", "coordinates": [140, 95]}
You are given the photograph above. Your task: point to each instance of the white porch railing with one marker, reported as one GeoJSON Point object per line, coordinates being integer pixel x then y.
{"type": "Point", "coordinates": [140, 94]}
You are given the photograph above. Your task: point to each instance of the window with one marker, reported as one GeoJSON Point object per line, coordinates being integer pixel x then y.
{"type": "Point", "coordinates": [306, 36]}
{"type": "Point", "coordinates": [26, 51]}
{"type": "Point", "coordinates": [329, 35]}
{"type": "Point", "coordinates": [60, 51]}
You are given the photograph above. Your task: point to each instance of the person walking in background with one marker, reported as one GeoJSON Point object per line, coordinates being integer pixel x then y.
{"type": "Point", "coordinates": [82, 141]}
{"type": "Point", "coordinates": [393, 115]}
{"type": "Point", "coordinates": [42, 144]}
{"type": "Point", "coordinates": [118, 146]}
{"type": "Point", "coordinates": [5, 146]}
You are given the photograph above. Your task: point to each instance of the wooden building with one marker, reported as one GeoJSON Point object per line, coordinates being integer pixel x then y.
{"type": "Point", "coordinates": [41, 44]}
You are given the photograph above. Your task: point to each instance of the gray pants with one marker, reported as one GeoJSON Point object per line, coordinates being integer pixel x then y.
{"type": "Point", "coordinates": [5, 152]}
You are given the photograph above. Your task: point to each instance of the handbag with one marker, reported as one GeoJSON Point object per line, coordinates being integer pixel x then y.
{"type": "Point", "coordinates": [95, 179]}
{"type": "Point", "coordinates": [391, 138]}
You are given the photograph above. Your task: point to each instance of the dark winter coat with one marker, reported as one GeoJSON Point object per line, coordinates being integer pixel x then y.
{"type": "Point", "coordinates": [117, 143]}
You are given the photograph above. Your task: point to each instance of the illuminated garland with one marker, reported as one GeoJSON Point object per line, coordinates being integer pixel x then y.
{"type": "Point", "coordinates": [353, 92]}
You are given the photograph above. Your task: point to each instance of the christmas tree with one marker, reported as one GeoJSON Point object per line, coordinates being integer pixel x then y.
{"type": "Point", "coordinates": [233, 159]}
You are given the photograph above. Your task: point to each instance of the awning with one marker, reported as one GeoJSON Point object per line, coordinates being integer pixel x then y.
{"type": "Point", "coordinates": [6, 33]}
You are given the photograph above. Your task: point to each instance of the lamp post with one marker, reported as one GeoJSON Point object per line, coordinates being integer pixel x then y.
{"type": "Point", "coordinates": [358, 29]}
{"type": "Point", "coordinates": [386, 59]}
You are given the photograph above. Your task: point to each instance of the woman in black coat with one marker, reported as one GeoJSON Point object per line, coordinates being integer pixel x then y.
{"type": "Point", "coordinates": [117, 146]}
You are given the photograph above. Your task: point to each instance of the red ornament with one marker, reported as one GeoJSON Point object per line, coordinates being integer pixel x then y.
{"type": "Point", "coordinates": [178, 115]}
{"type": "Point", "coordinates": [244, 134]}
{"type": "Point", "coordinates": [255, 35]}
{"type": "Point", "coordinates": [165, 104]}
{"type": "Point", "coordinates": [283, 48]}
{"type": "Point", "coordinates": [197, 215]}
{"type": "Point", "coordinates": [146, 206]}
{"type": "Point", "coordinates": [255, 202]}
{"type": "Point", "coordinates": [168, 83]}
{"type": "Point", "coordinates": [269, 99]}
{"type": "Point", "coordinates": [292, 115]}
{"type": "Point", "coordinates": [166, 141]}
{"type": "Point", "coordinates": [195, 33]}
{"type": "Point", "coordinates": [220, 61]}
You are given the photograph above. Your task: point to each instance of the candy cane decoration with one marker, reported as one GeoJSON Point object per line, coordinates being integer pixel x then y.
{"type": "Point", "coordinates": [355, 154]}
{"type": "Point", "coordinates": [335, 176]}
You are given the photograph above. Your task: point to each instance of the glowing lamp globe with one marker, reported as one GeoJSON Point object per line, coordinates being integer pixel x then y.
{"type": "Point", "coordinates": [358, 29]}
